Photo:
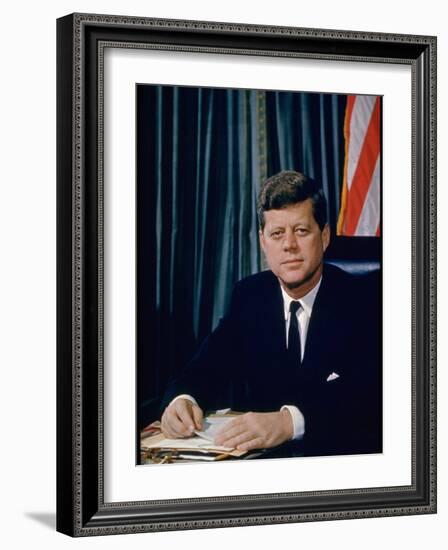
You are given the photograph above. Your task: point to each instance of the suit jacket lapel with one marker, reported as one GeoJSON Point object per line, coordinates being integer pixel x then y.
{"type": "Point", "coordinates": [322, 322]}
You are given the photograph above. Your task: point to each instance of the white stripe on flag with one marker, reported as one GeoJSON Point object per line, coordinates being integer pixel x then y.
{"type": "Point", "coordinates": [359, 123]}
{"type": "Point", "coordinates": [370, 215]}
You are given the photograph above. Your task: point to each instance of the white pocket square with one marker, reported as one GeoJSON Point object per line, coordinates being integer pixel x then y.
{"type": "Point", "coordinates": [332, 376]}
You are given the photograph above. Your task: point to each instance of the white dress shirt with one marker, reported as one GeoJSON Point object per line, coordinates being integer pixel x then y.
{"type": "Point", "coordinates": [303, 318]}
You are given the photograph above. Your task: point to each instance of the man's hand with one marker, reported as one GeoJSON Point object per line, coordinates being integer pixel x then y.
{"type": "Point", "coordinates": [256, 431]}
{"type": "Point", "coordinates": [181, 418]}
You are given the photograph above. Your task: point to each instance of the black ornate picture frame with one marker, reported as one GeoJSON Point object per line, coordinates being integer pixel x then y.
{"type": "Point", "coordinates": [81, 506]}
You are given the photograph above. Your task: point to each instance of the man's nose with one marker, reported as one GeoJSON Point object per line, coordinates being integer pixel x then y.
{"type": "Point", "coordinates": [290, 241]}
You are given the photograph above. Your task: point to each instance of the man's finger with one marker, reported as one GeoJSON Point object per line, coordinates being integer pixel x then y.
{"type": "Point", "coordinates": [229, 431]}
{"type": "Point", "coordinates": [165, 426]}
{"type": "Point", "coordinates": [178, 425]}
{"type": "Point", "coordinates": [236, 440]}
{"type": "Point", "coordinates": [249, 445]}
{"type": "Point", "coordinates": [239, 423]}
{"type": "Point", "coordinates": [165, 429]}
{"type": "Point", "coordinates": [173, 423]}
{"type": "Point", "coordinates": [168, 426]}
{"type": "Point", "coordinates": [198, 417]}
{"type": "Point", "coordinates": [185, 415]}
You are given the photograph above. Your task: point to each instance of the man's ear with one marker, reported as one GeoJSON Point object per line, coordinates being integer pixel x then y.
{"type": "Point", "coordinates": [325, 236]}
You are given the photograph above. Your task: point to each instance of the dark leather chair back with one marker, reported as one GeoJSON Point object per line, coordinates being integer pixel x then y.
{"type": "Point", "coordinates": [356, 267]}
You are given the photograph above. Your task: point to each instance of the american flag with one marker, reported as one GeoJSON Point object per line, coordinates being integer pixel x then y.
{"type": "Point", "coordinates": [360, 205]}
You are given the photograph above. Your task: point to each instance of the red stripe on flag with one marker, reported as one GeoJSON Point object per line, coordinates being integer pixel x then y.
{"type": "Point", "coordinates": [348, 115]}
{"type": "Point", "coordinates": [364, 171]}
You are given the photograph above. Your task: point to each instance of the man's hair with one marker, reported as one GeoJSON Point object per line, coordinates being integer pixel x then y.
{"type": "Point", "coordinates": [288, 187]}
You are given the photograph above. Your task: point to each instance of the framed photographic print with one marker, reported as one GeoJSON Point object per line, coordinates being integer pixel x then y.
{"type": "Point", "coordinates": [246, 274]}
{"type": "Point", "coordinates": [203, 158]}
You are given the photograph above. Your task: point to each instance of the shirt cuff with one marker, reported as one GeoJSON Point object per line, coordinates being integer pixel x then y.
{"type": "Point", "coordinates": [298, 421]}
{"type": "Point", "coordinates": [184, 396]}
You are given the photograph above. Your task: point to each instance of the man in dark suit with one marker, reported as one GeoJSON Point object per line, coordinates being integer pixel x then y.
{"type": "Point", "coordinates": [299, 349]}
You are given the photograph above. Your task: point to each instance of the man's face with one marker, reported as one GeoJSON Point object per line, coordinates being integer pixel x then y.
{"type": "Point", "coordinates": [294, 246]}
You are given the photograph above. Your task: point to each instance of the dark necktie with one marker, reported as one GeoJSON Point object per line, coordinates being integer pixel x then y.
{"type": "Point", "coordinates": [294, 349]}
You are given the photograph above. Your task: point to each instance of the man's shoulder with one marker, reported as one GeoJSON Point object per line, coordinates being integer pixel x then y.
{"type": "Point", "coordinates": [339, 276]}
{"type": "Point", "coordinates": [357, 290]}
{"type": "Point", "coordinates": [262, 280]}
{"type": "Point", "coordinates": [248, 291]}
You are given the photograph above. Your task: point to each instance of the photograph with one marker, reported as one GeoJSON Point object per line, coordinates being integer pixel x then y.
{"type": "Point", "coordinates": [259, 281]}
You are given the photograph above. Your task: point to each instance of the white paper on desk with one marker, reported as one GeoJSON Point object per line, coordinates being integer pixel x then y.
{"type": "Point", "coordinates": [212, 425]}
{"type": "Point", "coordinates": [197, 443]}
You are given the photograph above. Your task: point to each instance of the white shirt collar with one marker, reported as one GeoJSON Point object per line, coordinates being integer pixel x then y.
{"type": "Point", "coordinates": [307, 301]}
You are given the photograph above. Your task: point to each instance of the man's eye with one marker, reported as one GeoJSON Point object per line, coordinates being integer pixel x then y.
{"type": "Point", "coordinates": [276, 234]}
{"type": "Point", "coordinates": [301, 231]}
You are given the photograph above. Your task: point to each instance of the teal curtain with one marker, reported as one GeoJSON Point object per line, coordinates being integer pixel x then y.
{"type": "Point", "coordinates": [201, 156]}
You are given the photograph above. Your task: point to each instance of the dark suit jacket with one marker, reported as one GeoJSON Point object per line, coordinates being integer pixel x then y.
{"type": "Point", "coordinates": [243, 364]}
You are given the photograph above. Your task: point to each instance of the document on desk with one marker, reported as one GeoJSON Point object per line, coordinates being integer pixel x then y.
{"type": "Point", "coordinates": [204, 440]}
{"type": "Point", "coordinates": [196, 443]}
{"type": "Point", "coordinates": [212, 425]}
